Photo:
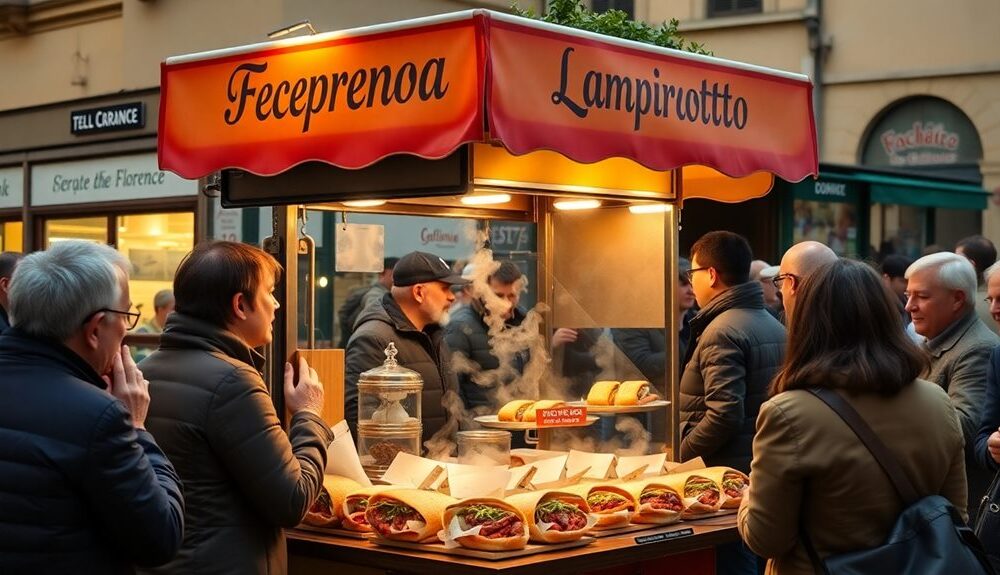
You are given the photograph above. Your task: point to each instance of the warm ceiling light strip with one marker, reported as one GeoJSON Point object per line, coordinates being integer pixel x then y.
{"type": "Point", "coordinates": [576, 204]}
{"type": "Point", "coordinates": [485, 199]}
{"type": "Point", "coordinates": [363, 203]}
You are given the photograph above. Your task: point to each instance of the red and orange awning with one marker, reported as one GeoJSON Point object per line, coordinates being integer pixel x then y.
{"type": "Point", "coordinates": [427, 86]}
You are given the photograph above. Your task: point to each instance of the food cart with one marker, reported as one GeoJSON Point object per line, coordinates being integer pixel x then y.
{"type": "Point", "coordinates": [492, 117]}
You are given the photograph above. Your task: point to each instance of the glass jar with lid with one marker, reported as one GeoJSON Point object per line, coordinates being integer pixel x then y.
{"type": "Point", "coordinates": [389, 416]}
{"type": "Point", "coordinates": [484, 447]}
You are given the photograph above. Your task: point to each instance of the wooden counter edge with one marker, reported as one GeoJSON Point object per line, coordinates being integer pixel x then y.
{"type": "Point", "coordinates": [604, 553]}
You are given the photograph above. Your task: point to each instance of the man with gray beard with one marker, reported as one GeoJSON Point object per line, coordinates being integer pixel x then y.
{"type": "Point", "coordinates": [411, 315]}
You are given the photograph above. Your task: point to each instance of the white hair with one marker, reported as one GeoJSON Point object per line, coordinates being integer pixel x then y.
{"type": "Point", "coordinates": [53, 292]}
{"type": "Point", "coordinates": [954, 272]}
{"type": "Point", "coordinates": [990, 271]}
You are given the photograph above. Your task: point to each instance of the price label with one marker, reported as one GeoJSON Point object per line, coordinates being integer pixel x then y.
{"type": "Point", "coordinates": [657, 537]}
{"type": "Point", "coordinates": [561, 417]}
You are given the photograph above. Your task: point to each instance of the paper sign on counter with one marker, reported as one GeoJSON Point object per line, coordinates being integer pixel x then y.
{"type": "Point", "coordinates": [561, 416]}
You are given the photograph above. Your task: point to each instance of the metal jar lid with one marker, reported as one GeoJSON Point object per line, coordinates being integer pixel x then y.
{"type": "Point", "coordinates": [391, 373]}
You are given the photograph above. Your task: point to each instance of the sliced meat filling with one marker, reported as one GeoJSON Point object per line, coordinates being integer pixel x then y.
{"type": "Point", "coordinates": [323, 506]}
{"type": "Point", "coordinates": [601, 501]}
{"type": "Point", "coordinates": [496, 523]}
{"type": "Point", "coordinates": [564, 516]}
{"type": "Point", "coordinates": [356, 507]}
{"type": "Point", "coordinates": [389, 517]}
{"type": "Point", "coordinates": [661, 499]}
{"type": "Point", "coordinates": [704, 490]}
{"type": "Point", "coordinates": [733, 484]}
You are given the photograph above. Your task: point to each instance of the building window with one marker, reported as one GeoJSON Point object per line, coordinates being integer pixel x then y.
{"type": "Point", "coordinates": [627, 6]}
{"type": "Point", "coordinates": [10, 237]}
{"type": "Point", "coordinates": [717, 8]}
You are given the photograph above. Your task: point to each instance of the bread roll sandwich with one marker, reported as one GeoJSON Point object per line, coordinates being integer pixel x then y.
{"type": "Point", "coordinates": [700, 494]}
{"type": "Point", "coordinates": [356, 504]}
{"type": "Point", "coordinates": [407, 514]}
{"type": "Point", "coordinates": [635, 393]}
{"type": "Point", "coordinates": [658, 503]}
{"type": "Point", "coordinates": [603, 393]}
{"type": "Point", "coordinates": [501, 526]}
{"type": "Point", "coordinates": [553, 516]}
{"type": "Point", "coordinates": [611, 505]}
{"type": "Point", "coordinates": [531, 413]}
{"type": "Point", "coordinates": [734, 484]}
{"type": "Point", "coordinates": [515, 410]}
{"type": "Point", "coordinates": [327, 510]}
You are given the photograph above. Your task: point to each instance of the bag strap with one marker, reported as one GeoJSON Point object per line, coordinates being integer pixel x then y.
{"type": "Point", "coordinates": [882, 455]}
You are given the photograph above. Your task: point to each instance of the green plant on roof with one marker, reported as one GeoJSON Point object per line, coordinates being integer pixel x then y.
{"type": "Point", "coordinates": [574, 14]}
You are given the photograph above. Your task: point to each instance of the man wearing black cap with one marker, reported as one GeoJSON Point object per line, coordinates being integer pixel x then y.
{"type": "Point", "coordinates": [410, 315]}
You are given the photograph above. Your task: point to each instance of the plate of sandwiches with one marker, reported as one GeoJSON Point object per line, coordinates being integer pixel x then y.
{"type": "Point", "coordinates": [521, 414]}
{"type": "Point", "coordinates": [606, 397]}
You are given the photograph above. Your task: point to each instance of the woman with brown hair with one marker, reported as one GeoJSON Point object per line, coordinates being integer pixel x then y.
{"type": "Point", "coordinates": [809, 470]}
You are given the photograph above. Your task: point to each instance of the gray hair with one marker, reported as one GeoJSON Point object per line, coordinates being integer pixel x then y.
{"type": "Point", "coordinates": [162, 299]}
{"type": "Point", "coordinates": [954, 272]}
{"type": "Point", "coordinates": [990, 271]}
{"type": "Point", "coordinates": [53, 292]}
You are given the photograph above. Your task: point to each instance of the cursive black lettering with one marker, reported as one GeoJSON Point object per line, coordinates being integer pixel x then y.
{"type": "Point", "coordinates": [232, 116]}
{"type": "Point", "coordinates": [559, 97]}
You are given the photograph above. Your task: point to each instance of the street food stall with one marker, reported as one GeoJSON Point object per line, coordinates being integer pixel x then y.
{"type": "Point", "coordinates": [592, 141]}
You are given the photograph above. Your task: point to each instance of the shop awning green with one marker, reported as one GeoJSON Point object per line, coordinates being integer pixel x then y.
{"type": "Point", "coordinates": [928, 193]}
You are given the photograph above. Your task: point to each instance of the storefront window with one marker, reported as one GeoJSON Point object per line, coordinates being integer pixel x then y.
{"type": "Point", "coordinates": [11, 238]}
{"type": "Point", "coordinates": [91, 229]}
{"type": "Point", "coordinates": [903, 229]}
{"type": "Point", "coordinates": [155, 244]}
{"type": "Point", "coordinates": [832, 223]}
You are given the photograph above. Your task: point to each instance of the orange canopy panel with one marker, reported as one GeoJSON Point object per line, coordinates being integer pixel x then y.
{"type": "Point", "coordinates": [428, 86]}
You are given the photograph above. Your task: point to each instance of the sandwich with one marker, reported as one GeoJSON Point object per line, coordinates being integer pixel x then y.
{"type": "Point", "coordinates": [407, 514]}
{"type": "Point", "coordinates": [515, 410]}
{"type": "Point", "coordinates": [700, 494]}
{"type": "Point", "coordinates": [635, 393]}
{"type": "Point", "coordinates": [603, 393]}
{"type": "Point", "coordinates": [327, 510]}
{"type": "Point", "coordinates": [611, 505]}
{"type": "Point", "coordinates": [553, 516]}
{"type": "Point", "coordinates": [501, 527]}
{"type": "Point", "coordinates": [531, 412]}
{"type": "Point", "coordinates": [658, 503]}
{"type": "Point", "coordinates": [734, 484]}
{"type": "Point", "coordinates": [356, 504]}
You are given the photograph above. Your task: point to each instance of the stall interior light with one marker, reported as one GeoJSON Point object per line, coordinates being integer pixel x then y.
{"type": "Point", "coordinates": [363, 203]}
{"type": "Point", "coordinates": [305, 24]}
{"type": "Point", "coordinates": [485, 199]}
{"type": "Point", "coordinates": [323, 281]}
{"type": "Point", "coordinates": [648, 208]}
{"type": "Point", "coordinates": [576, 204]}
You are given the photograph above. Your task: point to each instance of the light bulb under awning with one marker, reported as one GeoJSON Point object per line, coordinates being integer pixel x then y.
{"type": "Point", "coordinates": [485, 199]}
{"type": "Point", "coordinates": [363, 203]}
{"type": "Point", "coordinates": [576, 204]}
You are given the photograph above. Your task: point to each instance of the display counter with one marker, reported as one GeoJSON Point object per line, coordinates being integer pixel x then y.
{"type": "Point", "coordinates": [689, 544]}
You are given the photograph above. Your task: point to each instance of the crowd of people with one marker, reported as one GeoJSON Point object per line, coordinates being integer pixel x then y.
{"type": "Point", "coordinates": [180, 464]}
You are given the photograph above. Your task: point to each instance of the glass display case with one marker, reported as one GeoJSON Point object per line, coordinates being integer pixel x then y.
{"type": "Point", "coordinates": [389, 419]}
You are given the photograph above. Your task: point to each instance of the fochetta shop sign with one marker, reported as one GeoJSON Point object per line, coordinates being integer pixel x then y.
{"type": "Point", "coordinates": [106, 179]}
{"type": "Point", "coordinates": [131, 116]}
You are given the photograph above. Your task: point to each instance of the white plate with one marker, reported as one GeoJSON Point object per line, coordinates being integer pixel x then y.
{"type": "Point", "coordinates": [613, 409]}
{"type": "Point", "coordinates": [492, 422]}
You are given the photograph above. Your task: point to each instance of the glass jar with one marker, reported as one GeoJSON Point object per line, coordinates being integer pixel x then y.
{"type": "Point", "coordinates": [484, 447]}
{"type": "Point", "coordinates": [389, 395]}
{"type": "Point", "coordinates": [377, 447]}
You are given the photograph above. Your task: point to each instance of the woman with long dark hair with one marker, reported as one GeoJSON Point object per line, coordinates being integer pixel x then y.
{"type": "Point", "coordinates": [809, 470]}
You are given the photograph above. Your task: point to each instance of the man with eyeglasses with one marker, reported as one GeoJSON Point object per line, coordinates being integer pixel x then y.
{"type": "Point", "coordinates": [736, 348]}
{"type": "Point", "coordinates": [988, 439]}
{"type": "Point", "coordinates": [84, 488]}
{"type": "Point", "coordinates": [798, 262]}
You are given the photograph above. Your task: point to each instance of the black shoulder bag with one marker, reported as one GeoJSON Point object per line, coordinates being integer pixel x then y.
{"type": "Point", "coordinates": [987, 524]}
{"type": "Point", "coordinates": [929, 537]}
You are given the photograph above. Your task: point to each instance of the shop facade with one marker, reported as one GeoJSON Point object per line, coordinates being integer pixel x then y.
{"type": "Point", "coordinates": [87, 170]}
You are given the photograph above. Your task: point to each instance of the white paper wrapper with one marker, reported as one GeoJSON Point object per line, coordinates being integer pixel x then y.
{"type": "Point", "coordinates": [411, 527]}
{"type": "Point", "coordinates": [549, 470]}
{"type": "Point", "coordinates": [411, 471]}
{"type": "Point", "coordinates": [591, 521]}
{"type": "Point", "coordinates": [342, 456]}
{"type": "Point", "coordinates": [454, 530]}
{"type": "Point", "coordinates": [465, 481]}
{"type": "Point", "coordinates": [601, 464]}
{"type": "Point", "coordinates": [629, 464]}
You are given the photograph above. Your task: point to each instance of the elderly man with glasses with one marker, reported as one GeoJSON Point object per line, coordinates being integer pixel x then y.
{"type": "Point", "coordinates": [84, 488]}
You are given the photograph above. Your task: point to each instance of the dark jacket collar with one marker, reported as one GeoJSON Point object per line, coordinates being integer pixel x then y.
{"type": "Point", "coordinates": [49, 352]}
{"type": "Point", "coordinates": [187, 332]}
{"type": "Point", "coordinates": [747, 295]}
{"type": "Point", "coordinates": [948, 338]}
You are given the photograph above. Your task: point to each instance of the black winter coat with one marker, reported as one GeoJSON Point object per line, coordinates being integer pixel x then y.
{"type": "Point", "coordinates": [81, 490]}
{"type": "Point", "coordinates": [468, 334]}
{"type": "Point", "coordinates": [736, 349]}
{"type": "Point", "coordinates": [245, 478]}
{"type": "Point", "coordinates": [422, 351]}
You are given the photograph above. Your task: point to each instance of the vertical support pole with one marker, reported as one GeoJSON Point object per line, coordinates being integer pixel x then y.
{"type": "Point", "coordinates": [671, 243]}
{"type": "Point", "coordinates": [285, 341]}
